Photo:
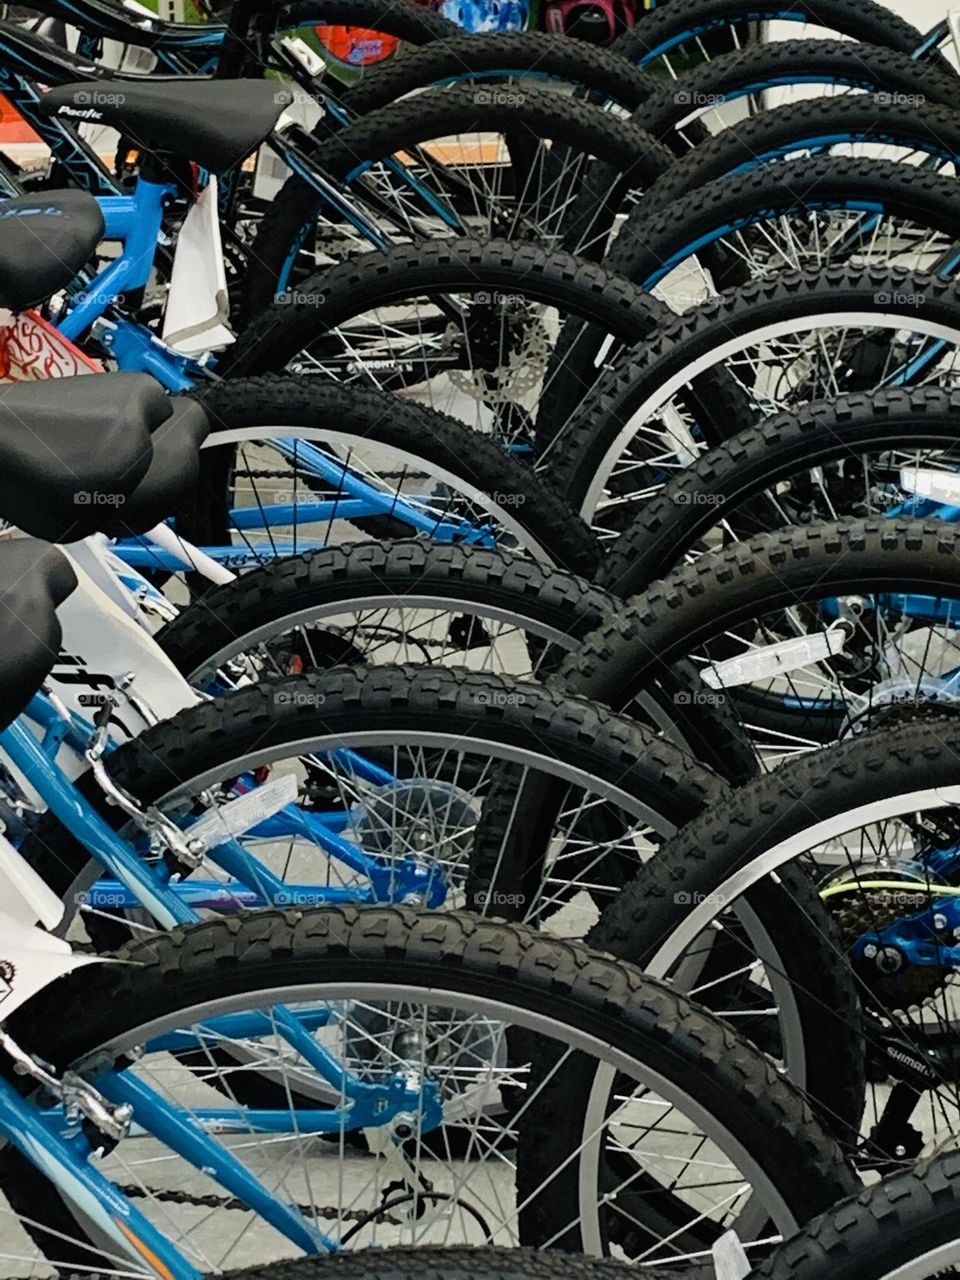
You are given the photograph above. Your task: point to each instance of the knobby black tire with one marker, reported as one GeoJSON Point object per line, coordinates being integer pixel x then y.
{"type": "Point", "coordinates": [515, 54]}
{"type": "Point", "coordinates": [248, 403]}
{"type": "Point", "coordinates": [455, 953]}
{"type": "Point", "coordinates": [598, 304]}
{"type": "Point", "coordinates": [934, 131]}
{"type": "Point", "coordinates": [860, 19]}
{"type": "Point", "coordinates": [910, 1217]}
{"type": "Point", "coordinates": [729, 477]}
{"type": "Point", "coordinates": [432, 1262]}
{"type": "Point", "coordinates": [903, 191]}
{"type": "Point", "coordinates": [871, 68]}
{"type": "Point", "coordinates": [275, 713]}
{"type": "Point", "coordinates": [437, 113]}
{"type": "Point", "coordinates": [697, 601]}
{"type": "Point", "coordinates": [398, 573]}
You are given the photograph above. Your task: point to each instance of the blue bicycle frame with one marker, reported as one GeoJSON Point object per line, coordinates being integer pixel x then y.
{"type": "Point", "coordinates": [61, 1145]}
{"type": "Point", "coordinates": [134, 880]}
{"type": "Point", "coordinates": [135, 221]}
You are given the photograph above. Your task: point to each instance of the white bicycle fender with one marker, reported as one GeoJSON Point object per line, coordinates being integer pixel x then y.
{"type": "Point", "coordinates": [30, 960]}
{"type": "Point", "coordinates": [102, 643]}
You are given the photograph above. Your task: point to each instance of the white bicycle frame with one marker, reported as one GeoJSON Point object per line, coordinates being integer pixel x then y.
{"type": "Point", "coordinates": [108, 650]}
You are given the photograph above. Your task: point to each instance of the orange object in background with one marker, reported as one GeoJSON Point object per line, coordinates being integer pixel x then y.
{"type": "Point", "coordinates": [356, 46]}
{"type": "Point", "coordinates": [13, 127]}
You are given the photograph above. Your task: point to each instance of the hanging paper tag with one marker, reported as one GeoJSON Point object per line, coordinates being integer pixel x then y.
{"type": "Point", "coordinates": [729, 1259]}
{"type": "Point", "coordinates": [198, 307]}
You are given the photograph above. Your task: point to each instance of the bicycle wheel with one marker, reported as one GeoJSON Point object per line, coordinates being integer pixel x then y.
{"type": "Point", "coordinates": [805, 635]}
{"type": "Point", "coordinates": [464, 326]}
{"type": "Point", "coordinates": [756, 226]}
{"type": "Point", "coordinates": [676, 37]}
{"type": "Point", "coordinates": [912, 217]}
{"type": "Point", "coordinates": [464, 160]}
{"type": "Point", "coordinates": [294, 464]}
{"type": "Point", "coordinates": [861, 126]}
{"type": "Point", "coordinates": [870, 822]}
{"type": "Point", "coordinates": [372, 603]}
{"type": "Point", "coordinates": [905, 1228]}
{"type": "Point", "coordinates": [510, 56]}
{"type": "Point", "coordinates": [699, 105]}
{"type": "Point", "coordinates": [375, 781]}
{"type": "Point", "coordinates": [441, 1008]}
{"type": "Point", "coordinates": [849, 458]}
{"type": "Point", "coordinates": [773, 346]}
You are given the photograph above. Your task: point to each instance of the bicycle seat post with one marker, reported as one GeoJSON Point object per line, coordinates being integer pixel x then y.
{"type": "Point", "coordinates": [235, 53]}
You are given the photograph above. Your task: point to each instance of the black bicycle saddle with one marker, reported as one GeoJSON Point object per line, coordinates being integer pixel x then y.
{"type": "Point", "coordinates": [213, 122]}
{"type": "Point", "coordinates": [44, 241]}
{"type": "Point", "coordinates": [34, 579]}
{"type": "Point", "coordinates": [73, 450]}
{"type": "Point", "coordinates": [173, 472]}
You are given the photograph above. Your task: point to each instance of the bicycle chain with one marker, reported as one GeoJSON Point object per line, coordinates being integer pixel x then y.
{"type": "Point", "coordinates": [285, 475]}
{"type": "Point", "coordinates": [210, 1201]}
{"type": "Point", "coordinates": [213, 1201]}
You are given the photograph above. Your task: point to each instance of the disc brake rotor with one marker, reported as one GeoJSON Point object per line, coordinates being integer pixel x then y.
{"type": "Point", "coordinates": [517, 350]}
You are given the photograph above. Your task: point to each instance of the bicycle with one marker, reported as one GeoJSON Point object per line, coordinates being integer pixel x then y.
{"type": "Point", "coordinates": [241, 983]}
